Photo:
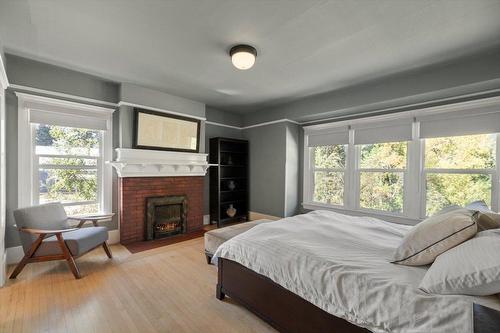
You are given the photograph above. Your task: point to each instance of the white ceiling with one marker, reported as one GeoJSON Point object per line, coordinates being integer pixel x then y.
{"type": "Point", "coordinates": [304, 47]}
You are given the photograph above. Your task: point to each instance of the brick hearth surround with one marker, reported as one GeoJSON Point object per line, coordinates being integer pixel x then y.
{"type": "Point", "coordinates": [133, 192]}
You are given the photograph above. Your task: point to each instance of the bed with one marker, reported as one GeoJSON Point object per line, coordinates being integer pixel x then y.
{"type": "Point", "coordinates": [325, 271]}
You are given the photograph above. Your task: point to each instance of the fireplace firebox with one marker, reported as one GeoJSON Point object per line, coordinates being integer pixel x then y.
{"type": "Point", "coordinates": [165, 216]}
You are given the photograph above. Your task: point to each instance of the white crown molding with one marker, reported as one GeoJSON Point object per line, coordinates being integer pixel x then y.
{"type": "Point", "coordinates": [153, 163]}
{"type": "Point", "coordinates": [124, 103]}
{"type": "Point", "coordinates": [222, 125]}
{"type": "Point", "coordinates": [4, 81]}
{"type": "Point", "coordinates": [271, 123]}
{"type": "Point", "coordinates": [18, 87]}
{"type": "Point", "coordinates": [416, 108]}
{"type": "Point", "coordinates": [255, 125]}
{"type": "Point", "coordinates": [452, 107]}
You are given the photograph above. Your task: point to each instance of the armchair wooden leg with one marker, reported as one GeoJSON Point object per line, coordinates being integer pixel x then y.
{"type": "Point", "coordinates": [69, 258]}
{"type": "Point", "coordinates": [107, 250]}
{"type": "Point", "coordinates": [27, 257]}
{"type": "Point", "coordinates": [19, 267]}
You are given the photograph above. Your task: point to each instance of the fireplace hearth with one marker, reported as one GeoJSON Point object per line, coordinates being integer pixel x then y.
{"type": "Point", "coordinates": [165, 216]}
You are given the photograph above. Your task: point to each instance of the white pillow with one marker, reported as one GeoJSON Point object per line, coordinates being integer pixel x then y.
{"type": "Point", "coordinates": [471, 268]}
{"type": "Point", "coordinates": [435, 235]}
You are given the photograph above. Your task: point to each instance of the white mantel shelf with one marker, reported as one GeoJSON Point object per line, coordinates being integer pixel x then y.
{"type": "Point", "coordinates": [156, 163]}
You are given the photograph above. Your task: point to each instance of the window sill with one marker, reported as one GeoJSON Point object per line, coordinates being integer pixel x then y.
{"type": "Point", "coordinates": [362, 212]}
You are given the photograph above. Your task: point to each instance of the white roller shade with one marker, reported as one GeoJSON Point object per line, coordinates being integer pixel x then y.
{"type": "Point", "coordinates": [333, 137]}
{"type": "Point", "coordinates": [388, 131]}
{"type": "Point", "coordinates": [452, 124]}
{"type": "Point", "coordinates": [67, 119]}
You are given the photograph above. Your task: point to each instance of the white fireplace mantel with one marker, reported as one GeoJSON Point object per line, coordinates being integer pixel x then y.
{"type": "Point", "coordinates": [155, 163]}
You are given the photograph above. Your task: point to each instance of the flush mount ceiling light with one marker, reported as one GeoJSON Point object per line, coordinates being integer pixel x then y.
{"type": "Point", "coordinates": [243, 56]}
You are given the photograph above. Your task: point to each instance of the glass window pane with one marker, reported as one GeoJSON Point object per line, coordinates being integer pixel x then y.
{"type": "Point", "coordinates": [329, 187]}
{"type": "Point", "coordinates": [66, 185]}
{"type": "Point", "coordinates": [391, 155]}
{"type": "Point", "coordinates": [82, 209]}
{"type": "Point", "coordinates": [382, 191]}
{"type": "Point", "coordinates": [330, 157]}
{"type": "Point", "coordinates": [461, 152]}
{"type": "Point", "coordinates": [57, 140]}
{"type": "Point", "coordinates": [456, 189]}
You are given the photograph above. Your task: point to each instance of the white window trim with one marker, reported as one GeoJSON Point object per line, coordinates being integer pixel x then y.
{"type": "Point", "coordinates": [415, 189]}
{"type": "Point", "coordinates": [26, 167]}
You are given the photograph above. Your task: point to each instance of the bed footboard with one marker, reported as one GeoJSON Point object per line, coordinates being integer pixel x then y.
{"type": "Point", "coordinates": [287, 312]}
{"type": "Point", "coordinates": [280, 308]}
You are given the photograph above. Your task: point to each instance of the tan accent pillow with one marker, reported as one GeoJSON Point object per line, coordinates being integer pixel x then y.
{"type": "Point", "coordinates": [487, 219]}
{"type": "Point", "coordinates": [435, 235]}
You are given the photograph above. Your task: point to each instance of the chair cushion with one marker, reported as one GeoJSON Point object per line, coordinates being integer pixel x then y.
{"type": "Point", "coordinates": [214, 238]}
{"type": "Point", "coordinates": [78, 241]}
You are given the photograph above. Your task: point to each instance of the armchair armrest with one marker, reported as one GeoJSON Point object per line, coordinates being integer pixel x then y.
{"type": "Point", "coordinates": [45, 232]}
{"type": "Point", "coordinates": [94, 218]}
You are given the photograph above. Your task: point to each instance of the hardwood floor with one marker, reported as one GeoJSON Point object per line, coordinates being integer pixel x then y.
{"type": "Point", "coordinates": [168, 289]}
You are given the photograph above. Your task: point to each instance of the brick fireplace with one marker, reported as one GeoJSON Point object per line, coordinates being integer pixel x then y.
{"type": "Point", "coordinates": [134, 192]}
{"type": "Point", "coordinates": [147, 174]}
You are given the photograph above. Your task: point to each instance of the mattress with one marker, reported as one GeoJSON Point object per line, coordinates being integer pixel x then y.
{"type": "Point", "coordinates": [340, 263]}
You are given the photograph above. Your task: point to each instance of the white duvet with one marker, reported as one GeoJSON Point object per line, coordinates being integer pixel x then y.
{"type": "Point", "coordinates": [340, 263]}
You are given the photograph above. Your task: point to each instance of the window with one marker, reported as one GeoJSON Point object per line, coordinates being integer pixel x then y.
{"type": "Point", "coordinates": [69, 167]}
{"type": "Point", "coordinates": [459, 170]}
{"type": "Point", "coordinates": [329, 173]}
{"type": "Point", "coordinates": [381, 176]}
{"type": "Point", "coordinates": [62, 152]}
{"type": "Point", "coordinates": [405, 166]}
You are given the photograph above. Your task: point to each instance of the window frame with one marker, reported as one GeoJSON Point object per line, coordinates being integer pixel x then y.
{"type": "Point", "coordinates": [360, 170]}
{"type": "Point", "coordinates": [454, 171]}
{"type": "Point", "coordinates": [314, 169]}
{"type": "Point", "coordinates": [98, 168]}
{"type": "Point", "coordinates": [28, 187]}
{"type": "Point", "coordinates": [415, 194]}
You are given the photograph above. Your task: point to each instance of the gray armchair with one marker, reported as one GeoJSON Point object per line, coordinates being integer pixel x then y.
{"type": "Point", "coordinates": [46, 235]}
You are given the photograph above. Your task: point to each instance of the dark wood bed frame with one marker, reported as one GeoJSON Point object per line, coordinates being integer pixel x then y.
{"type": "Point", "coordinates": [287, 312]}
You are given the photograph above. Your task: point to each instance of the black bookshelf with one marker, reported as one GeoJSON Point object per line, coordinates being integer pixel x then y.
{"type": "Point", "coordinates": [228, 180]}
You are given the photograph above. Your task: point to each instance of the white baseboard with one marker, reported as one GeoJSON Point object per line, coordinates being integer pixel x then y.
{"type": "Point", "coordinates": [206, 219]}
{"type": "Point", "coordinates": [259, 216]}
{"type": "Point", "coordinates": [16, 253]}
{"type": "Point", "coordinates": [114, 236]}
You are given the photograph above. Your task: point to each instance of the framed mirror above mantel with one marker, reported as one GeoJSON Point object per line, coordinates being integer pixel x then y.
{"type": "Point", "coordinates": [161, 131]}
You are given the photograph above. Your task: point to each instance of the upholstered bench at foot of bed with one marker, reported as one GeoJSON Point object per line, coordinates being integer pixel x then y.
{"type": "Point", "coordinates": [214, 238]}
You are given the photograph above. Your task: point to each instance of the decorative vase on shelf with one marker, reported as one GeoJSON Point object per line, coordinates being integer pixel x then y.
{"type": "Point", "coordinates": [231, 211]}
{"type": "Point", "coordinates": [229, 160]}
{"type": "Point", "coordinates": [231, 185]}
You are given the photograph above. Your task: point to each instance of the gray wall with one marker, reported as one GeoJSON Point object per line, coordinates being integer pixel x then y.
{"type": "Point", "coordinates": [267, 166]}
{"type": "Point", "coordinates": [157, 99]}
{"type": "Point", "coordinates": [39, 75]}
{"type": "Point", "coordinates": [223, 117]}
{"type": "Point", "coordinates": [11, 235]}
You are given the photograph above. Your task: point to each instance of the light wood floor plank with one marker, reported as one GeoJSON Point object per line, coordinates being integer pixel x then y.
{"type": "Point", "coordinates": [167, 289]}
